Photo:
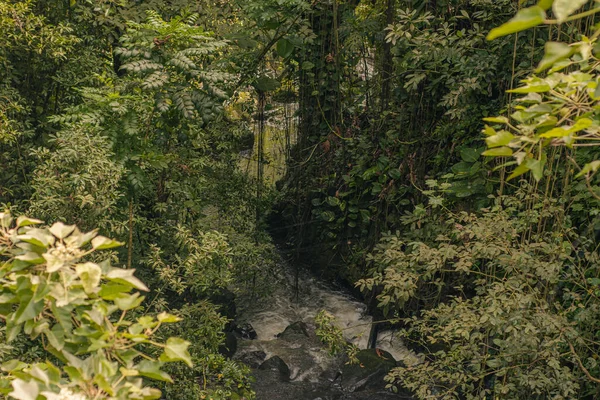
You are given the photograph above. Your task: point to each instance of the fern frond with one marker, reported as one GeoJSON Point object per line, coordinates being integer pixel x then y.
{"type": "Point", "coordinates": [155, 80]}
{"type": "Point", "coordinates": [182, 62]}
{"type": "Point", "coordinates": [141, 66]}
{"type": "Point", "coordinates": [184, 104]}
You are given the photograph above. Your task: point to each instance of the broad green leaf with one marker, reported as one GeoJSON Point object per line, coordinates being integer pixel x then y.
{"type": "Point", "coordinates": [498, 152]}
{"type": "Point", "coordinates": [461, 168]}
{"type": "Point", "coordinates": [103, 243]}
{"type": "Point", "coordinates": [564, 8]}
{"type": "Point", "coordinates": [591, 167]}
{"type": "Point", "coordinates": [536, 166]}
{"type": "Point", "coordinates": [31, 258]}
{"type": "Point", "coordinates": [502, 138]}
{"type": "Point", "coordinates": [556, 132]}
{"type": "Point", "coordinates": [284, 48]}
{"type": "Point", "coordinates": [470, 154]}
{"type": "Point", "coordinates": [56, 337]}
{"type": "Point", "coordinates": [167, 318]}
{"type": "Point", "coordinates": [307, 65]}
{"type": "Point", "coordinates": [109, 291]}
{"type": "Point", "coordinates": [26, 221]}
{"type": "Point", "coordinates": [128, 372]}
{"type": "Point", "coordinates": [176, 350]}
{"type": "Point", "coordinates": [489, 131]}
{"type": "Point", "coordinates": [538, 87]}
{"type": "Point", "coordinates": [125, 276]}
{"type": "Point", "coordinates": [28, 309]}
{"type": "Point", "coordinates": [561, 131]}
{"type": "Point", "coordinates": [13, 365]}
{"type": "Point", "coordinates": [520, 170]}
{"type": "Point", "coordinates": [151, 369]}
{"type": "Point", "coordinates": [79, 239]}
{"type": "Point", "coordinates": [497, 120]}
{"type": "Point", "coordinates": [90, 274]}
{"type": "Point", "coordinates": [524, 19]}
{"type": "Point", "coordinates": [545, 4]}
{"type": "Point", "coordinates": [554, 52]}
{"type": "Point", "coordinates": [61, 230]}
{"type": "Point", "coordinates": [23, 390]}
{"type": "Point", "coordinates": [128, 301]}
{"type": "Point", "coordinates": [53, 263]}
{"type": "Point", "coordinates": [38, 237]}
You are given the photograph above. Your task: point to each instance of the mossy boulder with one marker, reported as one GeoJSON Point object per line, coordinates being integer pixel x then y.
{"type": "Point", "coordinates": [373, 366]}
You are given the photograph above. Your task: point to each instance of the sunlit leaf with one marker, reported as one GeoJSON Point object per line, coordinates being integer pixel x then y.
{"type": "Point", "coordinates": [564, 8]}
{"type": "Point", "coordinates": [524, 19]}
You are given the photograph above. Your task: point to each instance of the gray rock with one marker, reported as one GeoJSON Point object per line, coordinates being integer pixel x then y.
{"type": "Point", "coordinates": [245, 330]}
{"type": "Point", "coordinates": [275, 363]}
{"type": "Point", "coordinates": [294, 330]}
{"type": "Point", "coordinates": [253, 359]}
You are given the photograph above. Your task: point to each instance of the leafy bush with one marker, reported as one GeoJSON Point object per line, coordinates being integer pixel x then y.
{"type": "Point", "coordinates": [55, 290]}
{"type": "Point", "coordinates": [507, 308]}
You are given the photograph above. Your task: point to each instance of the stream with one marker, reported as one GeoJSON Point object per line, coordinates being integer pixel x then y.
{"type": "Point", "coordinates": [289, 361]}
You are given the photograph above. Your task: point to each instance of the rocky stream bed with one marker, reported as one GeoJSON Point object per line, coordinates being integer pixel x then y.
{"type": "Point", "coordinates": [276, 337]}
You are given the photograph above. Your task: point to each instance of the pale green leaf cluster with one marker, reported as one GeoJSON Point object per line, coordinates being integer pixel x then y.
{"type": "Point", "coordinates": [555, 110]}
{"type": "Point", "coordinates": [81, 312]}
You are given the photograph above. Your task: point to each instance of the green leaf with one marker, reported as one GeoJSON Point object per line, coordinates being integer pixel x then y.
{"type": "Point", "coordinates": [394, 174]}
{"type": "Point", "coordinates": [564, 8]}
{"type": "Point", "coordinates": [470, 154]}
{"type": "Point", "coordinates": [536, 166]}
{"type": "Point", "coordinates": [28, 308]}
{"type": "Point", "coordinates": [61, 230]}
{"type": "Point", "coordinates": [24, 390]}
{"type": "Point", "coordinates": [284, 48]}
{"type": "Point", "coordinates": [109, 291]}
{"type": "Point", "coordinates": [266, 84]}
{"type": "Point", "coordinates": [125, 276]}
{"type": "Point", "coordinates": [103, 243]}
{"type": "Point", "coordinates": [538, 87]}
{"type": "Point", "coordinates": [497, 120]}
{"type": "Point", "coordinates": [176, 350]}
{"type": "Point", "coordinates": [545, 4]}
{"type": "Point", "coordinates": [501, 138]}
{"type": "Point", "coordinates": [25, 221]}
{"type": "Point", "coordinates": [128, 301]}
{"type": "Point", "coordinates": [37, 237]}
{"type": "Point", "coordinates": [90, 274]}
{"type": "Point", "coordinates": [554, 52]}
{"type": "Point", "coordinates": [333, 201]}
{"type": "Point", "coordinates": [561, 131]}
{"type": "Point", "coordinates": [591, 167]}
{"type": "Point", "coordinates": [498, 152]}
{"type": "Point", "coordinates": [151, 369]}
{"type": "Point", "coordinates": [524, 19]}
{"type": "Point", "coordinates": [167, 318]}
{"type": "Point", "coordinates": [520, 170]}
{"type": "Point", "coordinates": [31, 258]}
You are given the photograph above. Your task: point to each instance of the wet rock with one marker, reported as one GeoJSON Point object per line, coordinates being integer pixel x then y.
{"type": "Point", "coordinates": [369, 373]}
{"type": "Point", "coordinates": [294, 330]}
{"type": "Point", "coordinates": [245, 330]}
{"type": "Point", "coordinates": [253, 359]}
{"type": "Point", "coordinates": [275, 363]}
{"type": "Point", "coordinates": [229, 348]}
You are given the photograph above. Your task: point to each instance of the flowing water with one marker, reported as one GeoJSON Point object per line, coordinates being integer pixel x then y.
{"type": "Point", "coordinates": [308, 361]}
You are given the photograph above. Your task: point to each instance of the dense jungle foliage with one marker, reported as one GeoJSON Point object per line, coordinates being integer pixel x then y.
{"type": "Point", "coordinates": [438, 155]}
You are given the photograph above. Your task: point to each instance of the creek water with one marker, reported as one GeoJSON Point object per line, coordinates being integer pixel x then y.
{"type": "Point", "coordinates": [311, 367]}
